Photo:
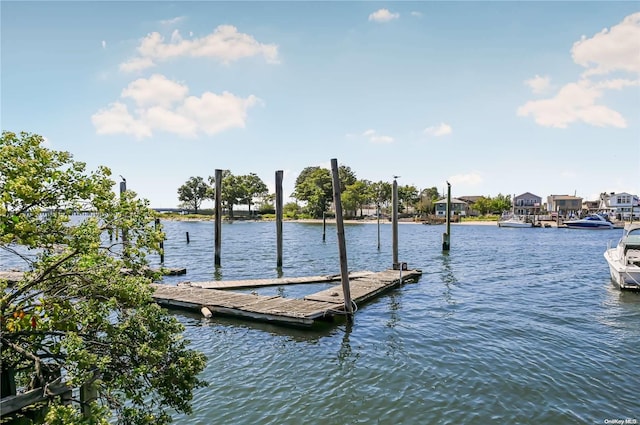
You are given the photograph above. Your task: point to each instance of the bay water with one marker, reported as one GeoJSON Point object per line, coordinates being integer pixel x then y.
{"type": "Point", "coordinates": [512, 325]}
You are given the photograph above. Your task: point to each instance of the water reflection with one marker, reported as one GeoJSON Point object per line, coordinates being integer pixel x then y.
{"type": "Point", "coordinates": [394, 307]}
{"type": "Point", "coordinates": [346, 358]}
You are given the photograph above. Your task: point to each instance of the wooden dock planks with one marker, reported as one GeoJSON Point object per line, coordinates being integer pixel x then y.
{"type": "Point", "coordinates": [326, 303]}
{"type": "Point", "coordinates": [259, 307]}
{"type": "Point", "coordinates": [365, 288]}
{"type": "Point", "coordinates": [255, 283]}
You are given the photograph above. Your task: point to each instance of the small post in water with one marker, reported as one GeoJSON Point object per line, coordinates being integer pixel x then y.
{"type": "Point", "coordinates": [446, 237]}
{"type": "Point", "coordinates": [157, 225]}
{"type": "Point", "coordinates": [324, 226]}
{"type": "Point", "coordinates": [342, 246]}
{"type": "Point", "coordinates": [187, 237]}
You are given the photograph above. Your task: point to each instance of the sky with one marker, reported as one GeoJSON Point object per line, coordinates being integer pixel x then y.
{"type": "Point", "coordinates": [493, 97]}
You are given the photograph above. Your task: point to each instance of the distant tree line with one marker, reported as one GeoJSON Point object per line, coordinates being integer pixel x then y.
{"type": "Point", "coordinates": [235, 190]}
{"type": "Point", "coordinates": [313, 193]}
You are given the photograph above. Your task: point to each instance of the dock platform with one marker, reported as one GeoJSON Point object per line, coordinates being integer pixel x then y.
{"type": "Point", "coordinates": [322, 305]}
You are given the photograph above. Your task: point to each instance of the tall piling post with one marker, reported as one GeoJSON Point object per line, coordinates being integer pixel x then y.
{"type": "Point", "coordinates": [218, 212]}
{"type": "Point", "coordinates": [342, 246]}
{"type": "Point", "coordinates": [378, 217]}
{"type": "Point", "coordinates": [394, 222]}
{"type": "Point", "coordinates": [157, 226]}
{"type": "Point", "coordinates": [279, 175]}
{"type": "Point", "coordinates": [446, 237]}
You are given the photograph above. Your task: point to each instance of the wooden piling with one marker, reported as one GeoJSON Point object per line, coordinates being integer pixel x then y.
{"type": "Point", "coordinates": [324, 226]}
{"type": "Point", "coordinates": [279, 175]}
{"type": "Point", "coordinates": [394, 222]}
{"type": "Point", "coordinates": [342, 246]}
{"type": "Point", "coordinates": [218, 211]}
{"type": "Point", "coordinates": [187, 237]}
{"type": "Point", "coordinates": [446, 237]}
{"type": "Point", "coordinates": [157, 225]}
{"type": "Point", "coordinates": [378, 216]}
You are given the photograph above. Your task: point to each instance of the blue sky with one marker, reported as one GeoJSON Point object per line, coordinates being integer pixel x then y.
{"type": "Point", "coordinates": [495, 97]}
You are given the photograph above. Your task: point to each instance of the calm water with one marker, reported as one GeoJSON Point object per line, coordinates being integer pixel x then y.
{"type": "Point", "coordinates": [514, 325]}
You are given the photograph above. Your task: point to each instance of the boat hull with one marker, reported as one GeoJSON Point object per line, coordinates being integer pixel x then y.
{"type": "Point", "coordinates": [589, 226]}
{"type": "Point", "coordinates": [514, 224]}
{"type": "Point", "coordinates": [625, 277]}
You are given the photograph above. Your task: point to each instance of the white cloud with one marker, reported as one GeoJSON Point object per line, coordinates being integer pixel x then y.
{"type": "Point", "coordinates": [616, 84]}
{"type": "Point", "coordinates": [116, 119]}
{"type": "Point", "coordinates": [157, 90]}
{"type": "Point", "coordinates": [383, 15]}
{"type": "Point", "coordinates": [104, 44]}
{"type": "Point", "coordinates": [614, 50]}
{"type": "Point", "coordinates": [215, 113]}
{"type": "Point", "coordinates": [471, 179]}
{"type": "Point", "coordinates": [439, 130]}
{"type": "Point", "coordinates": [164, 105]}
{"type": "Point", "coordinates": [377, 138]}
{"type": "Point", "coordinates": [575, 102]}
{"type": "Point", "coordinates": [172, 21]}
{"type": "Point", "coordinates": [611, 50]}
{"type": "Point", "coordinates": [225, 43]}
{"type": "Point", "coordinates": [539, 84]}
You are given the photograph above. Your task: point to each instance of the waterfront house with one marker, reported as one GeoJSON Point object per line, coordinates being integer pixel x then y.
{"type": "Point", "coordinates": [458, 207]}
{"type": "Point", "coordinates": [471, 200]}
{"type": "Point", "coordinates": [527, 204]}
{"type": "Point", "coordinates": [620, 205]}
{"type": "Point", "coordinates": [564, 205]}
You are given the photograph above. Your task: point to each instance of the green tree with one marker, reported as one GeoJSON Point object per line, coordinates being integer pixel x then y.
{"type": "Point", "coordinates": [380, 192]}
{"type": "Point", "coordinates": [407, 195]}
{"type": "Point", "coordinates": [501, 203]}
{"type": "Point", "coordinates": [74, 313]}
{"type": "Point", "coordinates": [314, 186]}
{"type": "Point", "coordinates": [193, 192]}
{"type": "Point", "coordinates": [346, 176]}
{"type": "Point", "coordinates": [355, 196]}
{"type": "Point", "coordinates": [428, 198]}
{"type": "Point", "coordinates": [482, 205]}
{"type": "Point", "coordinates": [253, 187]}
{"type": "Point", "coordinates": [291, 210]}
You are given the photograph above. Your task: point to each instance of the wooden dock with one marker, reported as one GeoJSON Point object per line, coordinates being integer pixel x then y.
{"type": "Point", "coordinates": [275, 309]}
{"type": "Point", "coordinates": [256, 283]}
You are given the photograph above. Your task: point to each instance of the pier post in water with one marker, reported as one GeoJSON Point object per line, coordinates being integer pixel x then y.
{"type": "Point", "coordinates": [324, 226]}
{"type": "Point", "coordinates": [394, 222]}
{"type": "Point", "coordinates": [279, 175]}
{"type": "Point", "coordinates": [342, 246]}
{"type": "Point", "coordinates": [218, 211]}
{"type": "Point", "coordinates": [446, 237]}
{"type": "Point", "coordinates": [157, 225]}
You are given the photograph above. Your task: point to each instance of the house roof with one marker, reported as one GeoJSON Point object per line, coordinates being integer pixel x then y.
{"type": "Point", "coordinates": [453, 201]}
{"type": "Point", "coordinates": [528, 194]}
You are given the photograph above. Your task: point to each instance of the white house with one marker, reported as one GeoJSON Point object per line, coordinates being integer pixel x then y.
{"type": "Point", "coordinates": [620, 205]}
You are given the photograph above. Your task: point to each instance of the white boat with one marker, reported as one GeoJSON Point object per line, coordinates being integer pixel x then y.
{"type": "Point", "coordinates": [513, 221]}
{"type": "Point", "coordinates": [624, 259]}
{"type": "Point", "coordinates": [591, 222]}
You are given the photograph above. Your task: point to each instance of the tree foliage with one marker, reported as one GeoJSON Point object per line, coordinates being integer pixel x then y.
{"type": "Point", "coordinates": [314, 186]}
{"type": "Point", "coordinates": [74, 313]}
{"type": "Point", "coordinates": [193, 192]}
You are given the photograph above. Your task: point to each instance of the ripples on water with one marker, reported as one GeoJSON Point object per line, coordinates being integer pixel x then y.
{"type": "Point", "coordinates": [513, 325]}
